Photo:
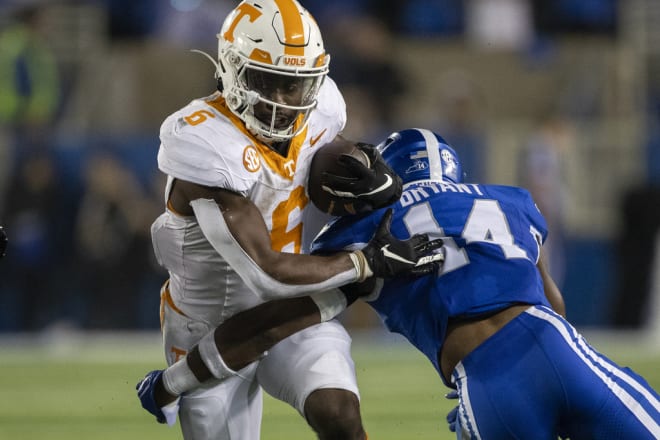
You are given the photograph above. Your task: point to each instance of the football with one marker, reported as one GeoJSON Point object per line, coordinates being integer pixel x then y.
{"type": "Point", "coordinates": [326, 160]}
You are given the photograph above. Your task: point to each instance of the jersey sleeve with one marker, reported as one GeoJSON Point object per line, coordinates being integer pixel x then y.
{"type": "Point", "coordinates": [345, 233]}
{"type": "Point", "coordinates": [535, 216]}
{"type": "Point", "coordinates": [209, 153]}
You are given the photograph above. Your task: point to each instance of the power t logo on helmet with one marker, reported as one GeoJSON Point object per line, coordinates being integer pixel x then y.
{"type": "Point", "coordinates": [271, 64]}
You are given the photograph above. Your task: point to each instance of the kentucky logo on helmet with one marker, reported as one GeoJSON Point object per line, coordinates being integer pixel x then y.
{"type": "Point", "coordinates": [418, 165]}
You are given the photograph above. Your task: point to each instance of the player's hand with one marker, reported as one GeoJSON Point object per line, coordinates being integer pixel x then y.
{"type": "Point", "coordinates": [3, 242]}
{"type": "Point", "coordinates": [146, 391]}
{"type": "Point", "coordinates": [376, 185]}
{"type": "Point", "coordinates": [386, 256]}
{"type": "Point", "coordinates": [452, 416]}
{"type": "Point", "coordinates": [357, 290]}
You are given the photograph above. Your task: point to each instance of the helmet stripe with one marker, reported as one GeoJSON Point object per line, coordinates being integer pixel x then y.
{"type": "Point", "coordinates": [294, 32]}
{"type": "Point", "coordinates": [433, 151]}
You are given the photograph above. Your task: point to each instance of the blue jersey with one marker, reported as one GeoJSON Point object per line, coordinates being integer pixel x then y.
{"type": "Point", "coordinates": [556, 384]}
{"type": "Point", "coordinates": [492, 237]}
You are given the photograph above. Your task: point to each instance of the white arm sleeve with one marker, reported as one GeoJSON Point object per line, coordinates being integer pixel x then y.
{"type": "Point", "coordinates": [330, 303]}
{"type": "Point", "coordinates": [216, 231]}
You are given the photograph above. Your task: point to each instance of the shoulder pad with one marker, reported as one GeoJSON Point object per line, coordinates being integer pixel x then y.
{"type": "Point", "coordinates": [202, 146]}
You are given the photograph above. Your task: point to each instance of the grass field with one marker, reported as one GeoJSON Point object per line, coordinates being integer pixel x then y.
{"type": "Point", "coordinates": [82, 387]}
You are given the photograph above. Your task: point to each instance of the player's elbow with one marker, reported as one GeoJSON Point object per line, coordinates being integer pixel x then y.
{"type": "Point", "coordinates": [268, 287]}
{"type": "Point", "coordinates": [557, 302]}
{"type": "Point", "coordinates": [273, 280]}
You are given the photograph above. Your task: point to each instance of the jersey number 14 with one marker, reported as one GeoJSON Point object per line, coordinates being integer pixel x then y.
{"type": "Point", "coordinates": [485, 223]}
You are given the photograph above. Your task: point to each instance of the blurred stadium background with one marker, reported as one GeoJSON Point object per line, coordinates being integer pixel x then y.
{"type": "Point", "coordinates": [562, 97]}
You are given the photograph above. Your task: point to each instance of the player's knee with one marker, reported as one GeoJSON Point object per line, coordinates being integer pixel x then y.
{"type": "Point", "coordinates": [334, 414]}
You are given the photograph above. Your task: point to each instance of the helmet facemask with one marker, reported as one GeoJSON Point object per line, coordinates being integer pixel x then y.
{"type": "Point", "coordinates": [271, 66]}
{"type": "Point", "coordinates": [276, 103]}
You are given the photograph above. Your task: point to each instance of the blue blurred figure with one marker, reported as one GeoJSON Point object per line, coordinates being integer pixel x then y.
{"type": "Point", "coordinates": [38, 252]}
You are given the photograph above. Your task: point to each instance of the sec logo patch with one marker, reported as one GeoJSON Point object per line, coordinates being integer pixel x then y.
{"type": "Point", "coordinates": [251, 160]}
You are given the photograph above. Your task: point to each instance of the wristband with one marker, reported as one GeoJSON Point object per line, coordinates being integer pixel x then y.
{"type": "Point", "coordinates": [361, 265]}
{"type": "Point", "coordinates": [179, 378]}
{"type": "Point", "coordinates": [330, 303]}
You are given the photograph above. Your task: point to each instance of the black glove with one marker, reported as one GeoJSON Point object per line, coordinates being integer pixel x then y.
{"type": "Point", "coordinates": [372, 187]}
{"type": "Point", "coordinates": [386, 256]}
{"type": "Point", "coordinates": [3, 242]}
{"type": "Point", "coordinates": [357, 290]}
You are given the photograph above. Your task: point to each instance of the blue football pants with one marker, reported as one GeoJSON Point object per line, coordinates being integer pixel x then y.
{"type": "Point", "coordinates": [537, 378]}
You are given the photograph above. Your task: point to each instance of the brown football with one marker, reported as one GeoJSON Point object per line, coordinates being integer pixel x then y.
{"type": "Point", "coordinates": [326, 160]}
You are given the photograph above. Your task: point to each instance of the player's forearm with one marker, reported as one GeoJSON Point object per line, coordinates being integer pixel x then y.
{"type": "Point", "coordinates": [270, 274]}
{"type": "Point", "coordinates": [246, 336]}
{"type": "Point", "coordinates": [554, 296]}
{"type": "Point", "coordinates": [293, 275]}
{"type": "Point", "coordinates": [243, 339]}
{"type": "Point", "coordinates": [296, 274]}
{"type": "Point", "coordinates": [552, 292]}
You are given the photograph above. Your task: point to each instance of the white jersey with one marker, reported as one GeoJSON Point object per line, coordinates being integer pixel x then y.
{"type": "Point", "coordinates": [205, 143]}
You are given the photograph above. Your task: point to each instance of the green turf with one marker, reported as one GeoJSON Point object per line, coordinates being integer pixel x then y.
{"type": "Point", "coordinates": [86, 391]}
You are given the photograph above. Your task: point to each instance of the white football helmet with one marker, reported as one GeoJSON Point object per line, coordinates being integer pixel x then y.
{"type": "Point", "coordinates": [268, 45]}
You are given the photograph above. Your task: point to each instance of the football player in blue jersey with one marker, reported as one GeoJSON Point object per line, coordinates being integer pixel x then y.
{"type": "Point", "coordinates": [492, 321]}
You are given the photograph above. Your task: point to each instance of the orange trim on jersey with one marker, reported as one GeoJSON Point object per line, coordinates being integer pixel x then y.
{"type": "Point", "coordinates": [294, 32]}
{"type": "Point", "coordinates": [170, 206]}
{"type": "Point", "coordinates": [162, 304]}
{"type": "Point", "coordinates": [284, 166]}
{"type": "Point", "coordinates": [166, 299]}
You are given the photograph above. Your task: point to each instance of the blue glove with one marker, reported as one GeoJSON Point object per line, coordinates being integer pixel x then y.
{"type": "Point", "coordinates": [452, 416]}
{"type": "Point", "coordinates": [145, 391]}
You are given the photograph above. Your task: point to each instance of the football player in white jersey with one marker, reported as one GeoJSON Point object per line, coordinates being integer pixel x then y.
{"type": "Point", "coordinates": [231, 236]}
